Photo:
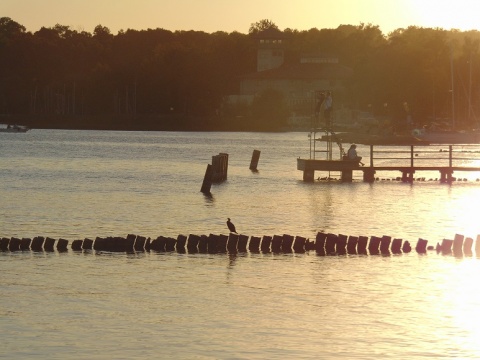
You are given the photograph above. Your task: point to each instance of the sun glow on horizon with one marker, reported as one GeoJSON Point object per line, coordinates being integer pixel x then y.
{"type": "Point", "coordinates": [462, 15]}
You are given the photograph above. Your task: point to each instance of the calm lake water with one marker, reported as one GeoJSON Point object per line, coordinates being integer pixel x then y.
{"type": "Point", "coordinates": [78, 184]}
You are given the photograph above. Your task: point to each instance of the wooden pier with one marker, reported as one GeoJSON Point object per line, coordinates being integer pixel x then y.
{"type": "Point", "coordinates": [409, 159]}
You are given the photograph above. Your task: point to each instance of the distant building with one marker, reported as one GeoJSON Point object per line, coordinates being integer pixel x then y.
{"type": "Point", "coordinates": [270, 49]}
{"type": "Point", "coordinates": [300, 82]}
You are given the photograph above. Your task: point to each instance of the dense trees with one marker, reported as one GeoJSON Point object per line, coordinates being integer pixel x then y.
{"type": "Point", "coordinates": [158, 79]}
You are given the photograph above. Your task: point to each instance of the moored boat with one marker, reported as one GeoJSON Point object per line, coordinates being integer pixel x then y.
{"type": "Point", "coordinates": [14, 129]}
{"type": "Point", "coordinates": [440, 136]}
{"type": "Point", "coordinates": [374, 139]}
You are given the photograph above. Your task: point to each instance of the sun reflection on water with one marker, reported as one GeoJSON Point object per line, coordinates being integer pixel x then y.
{"type": "Point", "coordinates": [460, 306]}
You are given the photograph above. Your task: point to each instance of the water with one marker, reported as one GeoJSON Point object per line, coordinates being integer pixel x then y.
{"type": "Point", "coordinates": [77, 184]}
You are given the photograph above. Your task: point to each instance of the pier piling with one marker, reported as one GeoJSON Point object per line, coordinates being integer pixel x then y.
{"type": "Point", "coordinates": [254, 161]}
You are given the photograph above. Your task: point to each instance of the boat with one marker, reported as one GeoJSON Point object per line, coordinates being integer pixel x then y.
{"type": "Point", "coordinates": [14, 128]}
{"type": "Point", "coordinates": [445, 132]}
{"type": "Point", "coordinates": [376, 139]}
{"type": "Point", "coordinates": [438, 135]}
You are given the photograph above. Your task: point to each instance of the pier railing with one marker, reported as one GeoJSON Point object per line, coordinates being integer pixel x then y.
{"type": "Point", "coordinates": [426, 156]}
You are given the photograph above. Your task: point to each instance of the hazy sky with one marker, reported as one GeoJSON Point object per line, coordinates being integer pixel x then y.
{"type": "Point", "coordinates": [237, 15]}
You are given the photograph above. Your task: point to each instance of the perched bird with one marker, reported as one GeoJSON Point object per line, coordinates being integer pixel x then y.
{"type": "Point", "coordinates": [231, 227]}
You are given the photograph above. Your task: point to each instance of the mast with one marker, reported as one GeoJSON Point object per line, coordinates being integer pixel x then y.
{"type": "Point", "coordinates": [453, 97]}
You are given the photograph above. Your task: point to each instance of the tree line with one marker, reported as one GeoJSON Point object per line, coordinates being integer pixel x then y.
{"type": "Point", "coordinates": [156, 79]}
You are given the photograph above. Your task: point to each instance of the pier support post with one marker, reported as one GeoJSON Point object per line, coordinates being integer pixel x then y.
{"type": "Point", "coordinates": [446, 176]}
{"type": "Point", "coordinates": [308, 175]}
{"type": "Point", "coordinates": [407, 176]}
{"type": "Point", "coordinates": [347, 175]}
{"type": "Point", "coordinates": [369, 175]}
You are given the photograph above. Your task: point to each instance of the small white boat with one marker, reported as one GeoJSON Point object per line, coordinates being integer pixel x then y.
{"type": "Point", "coordinates": [447, 136]}
{"type": "Point", "coordinates": [14, 129]}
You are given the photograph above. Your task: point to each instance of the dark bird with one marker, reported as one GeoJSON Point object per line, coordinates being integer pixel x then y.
{"type": "Point", "coordinates": [231, 227]}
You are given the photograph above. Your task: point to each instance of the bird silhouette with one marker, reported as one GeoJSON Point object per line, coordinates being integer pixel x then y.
{"type": "Point", "coordinates": [231, 227]}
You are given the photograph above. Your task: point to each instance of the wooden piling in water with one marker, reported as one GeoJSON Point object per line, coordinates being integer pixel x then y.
{"type": "Point", "coordinates": [477, 245]}
{"type": "Point", "coordinates": [62, 245]}
{"type": "Point", "coordinates": [374, 245]}
{"type": "Point", "coordinates": [155, 245]}
{"type": "Point", "coordinates": [242, 243]}
{"type": "Point", "coordinates": [362, 245]}
{"type": "Point", "coordinates": [341, 248]}
{"type": "Point", "coordinates": [254, 161]}
{"type": "Point", "coordinates": [266, 243]}
{"type": "Point", "coordinates": [397, 246]}
{"type": "Point", "coordinates": [352, 245]}
{"type": "Point", "coordinates": [287, 243]}
{"type": "Point", "coordinates": [181, 244]}
{"type": "Point", "coordinates": [222, 243]}
{"type": "Point", "coordinates": [158, 244]}
{"type": "Point", "coordinates": [109, 243]}
{"type": "Point", "coordinates": [385, 244]}
{"type": "Point", "coordinates": [309, 245]}
{"type": "Point", "coordinates": [207, 180]}
{"type": "Point", "coordinates": [254, 244]}
{"type": "Point", "coordinates": [458, 244]}
{"type": "Point", "coordinates": [14, 244]}
{"type": "Point", "coordinates": [4, 244]}
{"type": "Point", "coordinates": [25, 244]}
{"type": "Point", "coordinates": [406, 248]}
{"type": "Point", "coordinates": [99, 244]}
{"type": "Point", "coordinates": [49, 244]}
{"type": "Point", "coordinates": [203, 244]}
{"type": "Point", "coordinates": [170, 244]}
{"type": "Point", "coordinates": [37, 243]}
{"type": "Point", "coordinates": [277, 244]}
{"type": "Point", "coordinates": [87, 244]}
{"type": "Point", "coordinates": [320, 240]}
{"type": "Point", "coordinates": [467, 245]}
{"type": "Point", "coordinates": [192, 243]}
{"type": "Point", "coordinates": [421, 246]}
{"type": "Point", "coordinates": [130, 242]}
{"type": "Point", "coordinates": [76, 245]}
{"type": "Point", "coordinates": [139, 244]}
{"type": "Point", "coordinates": [330, 244]}
{"type": "Point", "coordinates": [212, 243]}
{"type": "Point", "coordinates": [219, 167]}
{"type": "Point", "coordinates": [299, 244]}
{"type": "Point", "coordinates": [232, 243]}
{"type": "Point", "coordinates": [120, 244]}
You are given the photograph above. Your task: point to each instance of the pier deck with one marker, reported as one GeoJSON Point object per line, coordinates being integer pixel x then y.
{"type": "Point", "coordinates": [409, 159]}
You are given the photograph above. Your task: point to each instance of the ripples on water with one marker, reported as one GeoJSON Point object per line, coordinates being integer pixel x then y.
{"type": "Point", "coordinates": [253, 306]}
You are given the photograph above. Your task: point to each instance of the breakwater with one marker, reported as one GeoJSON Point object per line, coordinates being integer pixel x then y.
{"type": "Point", "coordinates": [324, 244]}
